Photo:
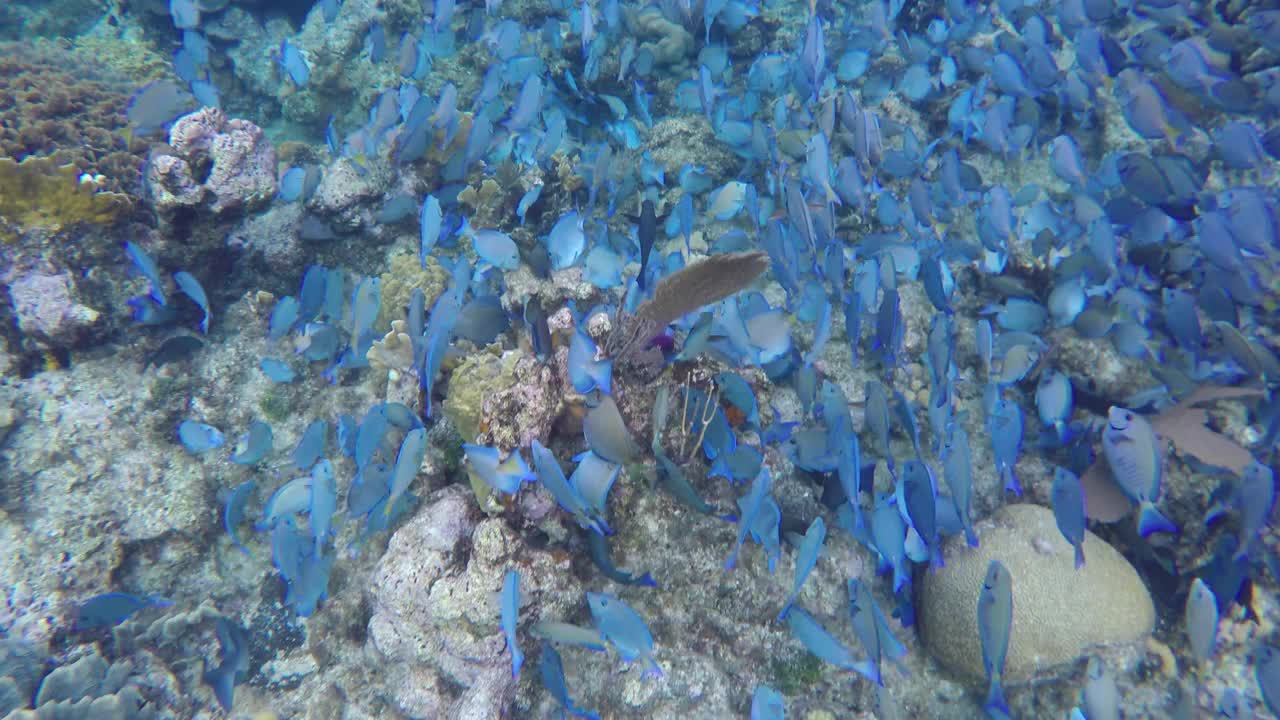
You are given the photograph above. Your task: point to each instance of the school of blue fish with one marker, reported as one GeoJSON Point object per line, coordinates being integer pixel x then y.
{"type": "Point", "coordinates": [1094, 171]}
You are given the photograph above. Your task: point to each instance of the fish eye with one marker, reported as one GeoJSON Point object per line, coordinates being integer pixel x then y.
{"type": "Point", "coordinates": [1128, 416]}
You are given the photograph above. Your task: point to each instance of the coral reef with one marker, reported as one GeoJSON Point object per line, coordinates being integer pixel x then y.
{"type": "Point", "coordinates": [217, 163]}
{"type": "Point", "coordinates": [52, 104]}
{"type": "Point", "coordinates": [41, 193]}
{"type": "Point", "coordinates": [1059, 612]}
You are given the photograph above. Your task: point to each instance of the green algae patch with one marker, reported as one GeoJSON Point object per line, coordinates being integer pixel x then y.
{"type": "Point", "coordinates": [795, 674]}
{"type": "Point", "coordinates": [479, 376]}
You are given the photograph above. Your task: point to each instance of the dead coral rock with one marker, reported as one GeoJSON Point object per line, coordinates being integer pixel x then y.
{"type": "Point", "coordinates": [435, 607]}
{"type": "Point", "coordinates": [218, 162]}
{"type": "Point", "coordinates": [47, 310]}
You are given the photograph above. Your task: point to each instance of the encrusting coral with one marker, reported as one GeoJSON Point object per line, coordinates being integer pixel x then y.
{"type": "Point", "coordinates": [41, 192]}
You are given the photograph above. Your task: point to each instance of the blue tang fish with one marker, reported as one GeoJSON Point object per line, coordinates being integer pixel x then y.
{"type": "Point", "coordinates": [624, 629]}
{"type": "Point", "coordinates": [1133, 451]}
{"type": "Point", "coordinates": [995, 621]}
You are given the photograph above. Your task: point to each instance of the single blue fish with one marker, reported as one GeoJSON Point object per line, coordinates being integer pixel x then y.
{"type": "Point", "coordinates": [551, 668]}
{"type": "Point", "coordinates": [995, 619]}
{"type": "Point", "coordinates": [149, 270]}
{"type": "Point", "coordinates": [917, 497]}
{"type": "Point", "coordinates": [1133, 452]}
{"type": "Point", "coordinates": [110, 609]}
{"type": "Point", "coordinates": [310, 446]}
{"type": "Point", "coordinates": [1006, 425]}
{"type": "Point", "coordinates": [294, 63]}
{"type": "Point", "coordinates": [606, 432]}
{"type": "Point", "coordinates": [566, 241]}
{"type": "Point", "coordinates": [430, 221]}
{"type": "Point", "coordinates": [888, 534]}
{"type": "Point", "coordinates": [1266, 670]}
{"type": "Point", "coordinates": [188, 284]}
{"type": "Point", "coordinates": [753, 502]}
{"type": "Point", "coordinates": [277, 371]}
{"type": "Point", "coordinates": [233, 662]}
{"type": "Point", "coordinates": [767, 704]}
{"type": "Point", "coordinates": [1067, 496]}
{"type": "Point", "coordinates": [289, 499]}
{"type": "Point", "coordinates": [503, 475]}
{"type": "Point", "coordinates": [254, 445]}
{"type": "Point", "coordinates": [624, 629]}
{"type": "Point", "coordinates": [1254, 500]}
{"type": "Point", "coordinates": [321, 505]}
{"type": "Point", "coordinates": [674, 482]}
{"type": "Point", "coordinates": [806, 558]}
{"type": "Point", "coordinates": [569, 634]}
{"type": "Point", "coordinates": [1201, 620]}
{"type": "Point", "coordinates": [872, 628]}
{"type": "Point", "coordinates": [593, 478]}
{"type": "Point", "coordinates": [818, 641]}
{"type": "Point", "coordinates": [496, 248]}
{"type": "Point", "coordinates": [957, 470]}
{"type": "Point", "coordinates": [408, 463]}
{"type": "Point", "coordinates": [198, 437]}
{"type": "Point", "coordinates": [510, 603]}
{"type": "Point", "coordinates": [284, 317]}
{"type": "Point", "coordinates": [156, 105]}
{"type": "Point", "coordinates": [527, 200]}
{"type": "Point", "coordinates": [233, 511]}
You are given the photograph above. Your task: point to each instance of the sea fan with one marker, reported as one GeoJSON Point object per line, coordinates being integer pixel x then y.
{"type": "Point", "coordinates": [689, 289]}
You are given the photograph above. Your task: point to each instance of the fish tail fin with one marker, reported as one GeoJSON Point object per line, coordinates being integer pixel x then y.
{"type": "Point", "coordinates": [1011, 482]}
{"type": "Point", "coordinates": [1080, 555]}
{"type": "Point", "coordinates": [647, 580]}
{"type": "Point", "coordinates": [654, 670]}
{"type": "Point", "coordinates": [782, 614]}
{"type": "Point", "coordinates": [1151, 520]}
{"type": "Point", "coordinates": [870, 670]}
{"type": "Point", "coordinates": [995, 705]}
{"type": "Point", "coordinates": [970, 536]}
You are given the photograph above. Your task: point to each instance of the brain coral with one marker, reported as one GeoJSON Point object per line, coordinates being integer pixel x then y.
{"type": "Point", "coordinates": [52, 104]}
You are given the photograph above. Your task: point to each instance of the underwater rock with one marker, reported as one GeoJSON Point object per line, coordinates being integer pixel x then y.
{"type": "Point", "coordinates": [435, 607]}
{"type": "Point", "coordinates": [1058, 612]}
{"type": "Point", "coordinates": [505, 401]}
{"type": "Point", "coordinates": [47, 311]}
{"type": "Point", "coordinates": [224, 163]}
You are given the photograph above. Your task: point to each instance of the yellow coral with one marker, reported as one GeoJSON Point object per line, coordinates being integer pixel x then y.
{"type": "Point", "coordinates": [404, 273]}
{"type": "Point", "coordinates": [38, 192]}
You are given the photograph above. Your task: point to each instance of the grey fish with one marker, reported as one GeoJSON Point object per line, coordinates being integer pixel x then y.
{"type": "Point", "coordinates": [1201, 619]}
{"type": "Point", "coordinates": [1068, 509]}
{"type": "Point", "coordinates": [995, 623]}
{"type": "Point", "coordinates": [607, 434]}
{"type": "Point", "coordinates": [1101, 698]}
{"type": "Point", "coordinates": [174, 349]}
{"type": "Point", "coordinates": [1133, 452]}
